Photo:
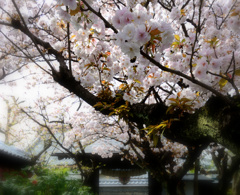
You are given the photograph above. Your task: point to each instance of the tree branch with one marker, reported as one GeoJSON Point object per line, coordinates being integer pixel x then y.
{"type": "Point", "coordinates": [176, 72]}
{"type": "Point", "coordinates": [108, 25]}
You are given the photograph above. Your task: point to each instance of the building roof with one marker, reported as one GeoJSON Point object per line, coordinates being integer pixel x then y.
{"type": "Point", "coordinates": [13, 151]}
{"type": "Point", "coordinates": [12, 157]}
{"type": "Point", "coordinates": [140, 181]}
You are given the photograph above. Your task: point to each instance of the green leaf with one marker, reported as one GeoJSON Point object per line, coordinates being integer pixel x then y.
{"type": "Point", "coordinates": [170, 109]}
{"type": "Point", "coordinates": [150, 131]}
{"type": "Point", "coordinates": [177, 37]}
{"type": "Point", "coordinates": [99, 104]}
{"type": "Point", "coordinates": [237, 72]}
{"type": "Point", "coordinates": [222, 82]}
{"type": "Point", "coordinates": [137, 81]}
{"type": "Point", "coordinates": [105, 68]}
{"type": "Point", "coordinates": [175, 43]}
{"type": "Point", "coordinates": [155, 32]}
{"type": "Point", "coordinates": [185, 100]}
{"type": "Point", "coordinates": [155, 140]}
{"type": "Point", "coordinates": [74, 12]}
{"type": "Point", "coordinates": [173, 99]}
{"type": "Point", "coordinates": [194, 65]}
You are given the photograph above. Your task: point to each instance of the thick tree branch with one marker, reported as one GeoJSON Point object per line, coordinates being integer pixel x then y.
{"type": "Point", "coordinates": [193, 154]}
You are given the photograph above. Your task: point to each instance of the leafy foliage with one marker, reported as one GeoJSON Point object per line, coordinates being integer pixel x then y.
{"type": "Point", "coordinates": [180, 105]}
{"type": "Point", "coordinates": [48, 182]}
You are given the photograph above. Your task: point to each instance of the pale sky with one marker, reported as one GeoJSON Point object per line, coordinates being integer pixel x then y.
{"type": "Point", "coordinates": [19, 91]}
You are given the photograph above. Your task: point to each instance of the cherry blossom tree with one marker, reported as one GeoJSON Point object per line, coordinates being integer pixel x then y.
{"type": "Point", "coordinates": [163, 74]}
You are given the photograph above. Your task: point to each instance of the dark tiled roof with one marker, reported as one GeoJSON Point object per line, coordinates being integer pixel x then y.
{"type": "Point", "coordinates": [14, 152]}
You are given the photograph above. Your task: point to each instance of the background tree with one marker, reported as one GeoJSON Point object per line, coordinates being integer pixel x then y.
{"type": "Point", "coordinates": [13, 117]}
{"type": "Point", "coordinates": [166, 71]}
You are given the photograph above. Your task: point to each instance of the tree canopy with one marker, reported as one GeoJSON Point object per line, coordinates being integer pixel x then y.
{"type": "Point", "coordinates": [162, 76]}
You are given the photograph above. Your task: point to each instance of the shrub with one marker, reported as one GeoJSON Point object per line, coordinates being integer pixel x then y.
{"type": "Point", "coordinates": [46, 182]}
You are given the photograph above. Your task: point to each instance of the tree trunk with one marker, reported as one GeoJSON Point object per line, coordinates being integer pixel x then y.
{"type": "Point", "coordinates": [223, 186]}
{"type": "Point", "coordinates": [196, 177]}
{"type": "Point", "coordinates": [181, 188]}
{"type": "Point", "coordinates": [172, 187]}
{"type": "Point", "coordinates": [93, 181]}
{"type": "Point", "coordinates": [227, 174]}
{"type": "Point", "coordinates": [236, 183]}
{"type": "Point", "coordinates": [154, 186]}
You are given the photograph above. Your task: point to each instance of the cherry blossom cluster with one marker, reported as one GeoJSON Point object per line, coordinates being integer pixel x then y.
{"type": "Point", "coordinates": [135, 30]}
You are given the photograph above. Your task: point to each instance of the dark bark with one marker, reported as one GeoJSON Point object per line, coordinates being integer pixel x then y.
{"type": "Point", "coordinates": [224, 181]}
{"type": "Point", "coordinates": [225, 171]}
{"type": "Point", "coordinates": [175, 187]}
{"type": "Point", "coordinates": [196, 169]}
{"type": "Point", "coordinates": [154, 187]}
{"type": "Point", "coordinates": [236, 183]}
{"type": "Point", "coordinates": [93, 181]}
{"type": "Point", "coordinates": [172, 187]}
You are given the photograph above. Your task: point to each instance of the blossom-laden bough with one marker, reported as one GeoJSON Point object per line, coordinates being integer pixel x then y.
{"type": "Point", "coordinates": [166, 72]}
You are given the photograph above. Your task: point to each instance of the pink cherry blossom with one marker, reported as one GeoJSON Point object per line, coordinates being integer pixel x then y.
{"type": "Point", "coordinates": [200, 72]}
{"type": "Point", "coordinates": [142, 35]}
